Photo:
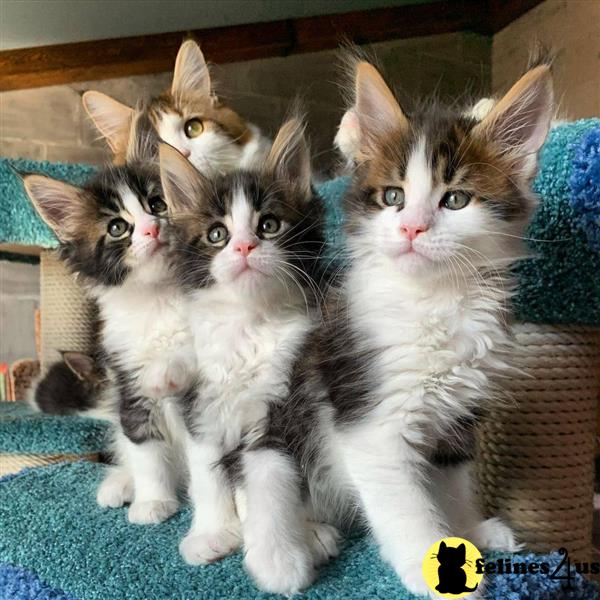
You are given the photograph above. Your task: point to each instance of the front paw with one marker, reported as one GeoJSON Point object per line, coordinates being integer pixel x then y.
{"type": "Point", "coordinates": [205, 548]}
{"type": "Point", "coordinates": [280, 569]}
{"type": "Point", "coordinates": [165, 378]}
{"type": "Point", "coordinates": [324, 540]}
{"type": "Point", "coordinates": [115, 490]}
{"type": "Point", "coordinates": [411, 575]}
{"type": "Point", "coordinates": [151, 511]}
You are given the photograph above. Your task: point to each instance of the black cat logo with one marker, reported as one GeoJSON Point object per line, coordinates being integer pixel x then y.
{"type": "Point", "coordinates": [452, 577]}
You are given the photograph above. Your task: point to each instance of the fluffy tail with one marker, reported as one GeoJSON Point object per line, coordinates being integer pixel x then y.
{"type": "Point", "coordinates": [77, 385]}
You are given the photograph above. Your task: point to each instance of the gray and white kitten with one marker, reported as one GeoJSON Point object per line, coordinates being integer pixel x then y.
{"type": "Point", "coordinates": [247, 250]}
{"type": "Point", "coordinates": [112, 234]}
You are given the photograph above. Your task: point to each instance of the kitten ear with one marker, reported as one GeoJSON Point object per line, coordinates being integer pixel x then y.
{"type": "Point", "coordinates": [376, 108]}
{"type": "Point", "coordinates": [111, 118]}
{"type": "Point", "coordinates": [82, 365]}
{"type": "Point", "coordinates": [289, 157]}
{"type": "Point", "coordinates": [54, 201]}
{"type": "Point", "coordinates": [191, 72]}
{"type": "Point", "coordinates": [182, 183]}
{"type": "Point", "coordinates": [520, 121]}
{"type": "Point", "coordinates": [442, 546]}
{"type": "Point", "coordinates": [143, 139]}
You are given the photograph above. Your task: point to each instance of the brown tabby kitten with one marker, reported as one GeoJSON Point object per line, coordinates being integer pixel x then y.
{"type": "Point", "coordinates": [189, 116]}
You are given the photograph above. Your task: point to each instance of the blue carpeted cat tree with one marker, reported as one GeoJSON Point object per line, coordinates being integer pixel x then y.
{"type": "Point", "coordinates": [535, 459]}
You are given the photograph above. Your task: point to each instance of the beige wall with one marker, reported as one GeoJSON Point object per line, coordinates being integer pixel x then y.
{"type": "Point", "coordinates": [49, 123]}
{"type": "Point", "coordinates": [572, 29]}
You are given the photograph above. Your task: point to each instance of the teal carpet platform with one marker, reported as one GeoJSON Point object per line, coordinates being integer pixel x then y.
{"type": "Point", "coordinates": [24, 431]}
{"type": "Point", "coordinates": [57, 544]}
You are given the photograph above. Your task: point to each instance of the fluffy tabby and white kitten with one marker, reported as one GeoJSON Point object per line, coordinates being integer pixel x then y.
{"type": "Point", "coordinates": [111, 234]}
{"type": "Point", "coordinates": [189, 117]}
{"type": "Point", "coordinates": [247, 248]}
{"type": "Point", "coordinates": [388, 392]}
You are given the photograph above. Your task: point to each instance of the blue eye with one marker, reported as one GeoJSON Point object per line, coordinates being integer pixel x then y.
{"type": "Point", "coordinates": [394, 196]}
{"type": "Point", "coordinates": [455, 200]}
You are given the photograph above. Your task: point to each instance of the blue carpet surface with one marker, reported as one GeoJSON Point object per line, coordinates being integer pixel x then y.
{"type": "Point", "coordinates": [57, 544]}
{"type": "Point", "coordinates": [23, 430]}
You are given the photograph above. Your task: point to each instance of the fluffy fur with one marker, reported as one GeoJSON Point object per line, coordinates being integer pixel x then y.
{"type": "Point", "coordinates": [112, 234]}
{"type": "Point", "coordinates": [247, 249]}
{"type": "Point", "coordinates": [189, 117]}
{"type": "Point", "coordinates": [389, 390]}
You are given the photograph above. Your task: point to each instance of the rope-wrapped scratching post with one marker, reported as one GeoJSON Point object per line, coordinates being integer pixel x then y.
{"type": "Point", "coordinates": [536, 456]}
{"type": "Point", "coordinates": [67, 313]}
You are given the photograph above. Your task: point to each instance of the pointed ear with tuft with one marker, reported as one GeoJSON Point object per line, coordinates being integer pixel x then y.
{"type": "Point", "coordinates": [520, 121]}
{"type": "Point", "coordinates": [81, 364]}
{"type": "Point", "coordinates": [56, 202]}
{"type": "Point", "coordinates": [289, 158]}
{"type": "Point", "coordinates": [376, 108]}
{"type": "Point", "coordinates": [183, 185]}
{"type": "Point", "coordinates": [191, 72]}
{"type": "Point", "coordinates": [111, 118]}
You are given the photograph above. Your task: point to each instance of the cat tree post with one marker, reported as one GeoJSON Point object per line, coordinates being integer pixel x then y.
{"type": "Point", "coordinates": [67, 314]}
{"type": "Point", "coordinates": [536, 456]}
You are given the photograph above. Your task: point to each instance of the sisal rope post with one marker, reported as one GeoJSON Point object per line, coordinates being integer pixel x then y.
{"type": "Point", "coordinates": [536, 457]}
{"type": "Point", "coordinates": [67, 315]}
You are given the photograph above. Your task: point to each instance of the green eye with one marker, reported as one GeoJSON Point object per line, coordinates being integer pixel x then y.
{"type": "Point", "coordinates": [269, 225]}
{"type": "Point", "coordinates": [217, 234]}
{"type": "Point", "coordinates": [117, 227]}
{"type": "Point", "coordinates": [394, 196]}
{"type": "Point", "coordinates": [157, 205]}
{"type": "Point", "coordinates": [455, 200]}
{"type": "Point", "coordinates": [193, 128]}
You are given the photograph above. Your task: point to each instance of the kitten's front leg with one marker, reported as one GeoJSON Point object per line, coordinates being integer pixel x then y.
{"type": "Point", "coordinates": [278, 551]}
{"type": "Point", "coordinates": [154, 481]}
{"type": "Point", "coordinates": [215, 531]}
{"type": "Point", "coordinates": [389, 477]}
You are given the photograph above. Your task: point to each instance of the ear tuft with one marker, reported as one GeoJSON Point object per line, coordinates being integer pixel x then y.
{"type": "Point", "coordinates": [191, 73]}
{"type": "Point", "coordinates": [289, 158]}
{"type": "Point", "coordinates": [111, 118]}
{"type": "Point", "coordinates": [376, 108]}
{"type": "Point", "coordinates": [182, 183]}
{"type": "Point", "coordinates": [520, 121]}
{"type": "Point", "coordinates": [55, 202]}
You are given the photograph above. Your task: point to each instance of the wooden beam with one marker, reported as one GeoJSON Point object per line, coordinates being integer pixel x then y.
{"type": "Point", "coordinates": [121, 57]}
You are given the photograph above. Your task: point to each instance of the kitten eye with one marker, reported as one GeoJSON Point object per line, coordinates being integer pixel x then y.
{"type": "Point", "coordinates": [157, 205]}
{"type": "Point", "coordinates": [193, 128]}
{"type": "Point", "coordinates": [455, 200]}
{"type": "Point", "coordinates": [117, 227]}
{"type": "Point", "coordinates": [217, 234]}
{"type": "Point", "coordinates": [269, 225]}
{"type": "Point", "coordinates": [394, 197]}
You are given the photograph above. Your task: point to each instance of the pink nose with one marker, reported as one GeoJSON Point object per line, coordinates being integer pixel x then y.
{"type": "Point", "coordinates": [412, 231]}
{"type": "Point", "coordinates": [244, 248]}
{"type": "Point", "coordinates": [185, 152]}
{"type": "Point", "coordinates": [150, 231]}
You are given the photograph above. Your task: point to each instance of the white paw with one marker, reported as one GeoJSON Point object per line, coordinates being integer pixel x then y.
{"type": "Point", "coordinates": [151, 511]}
{"type": "Point", "coordinates": [324, 540]}
{"type": "Point", "coordinates": [494, 534]}
{"type": "Point", "coordinates": [280, 569]}
{"type": "Point", "coordinates": [116, 490]}
{"type": "Point", "coordinates": [204, 548]}
{"type": "Point", "coordinates": [162, 379]}
{"type": "Point", "coordinates": [411, 576]}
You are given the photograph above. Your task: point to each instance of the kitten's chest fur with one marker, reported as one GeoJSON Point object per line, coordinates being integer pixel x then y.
{"type": "Point", "coordinates": [244, 361]}
{"type": "Point", "coordinates": [432, 352]}
{"type": "Point", "coordinates": [142, 323]}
